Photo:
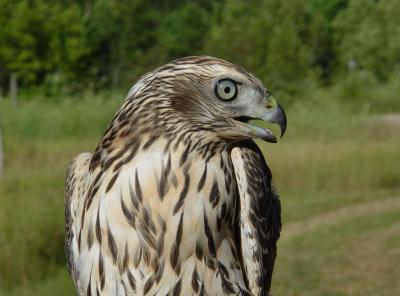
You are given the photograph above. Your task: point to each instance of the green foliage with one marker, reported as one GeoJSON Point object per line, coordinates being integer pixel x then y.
{"type": "Point", "coordinates": [39, 38]}
{"type": "Point", "coordinates": [367, 35]}
{"type": "Point", "coordinates": [177, 38]}
{"type": "Point", "coordinates": [71, 46]}
{"type": "Point", "coordinates": [120, 37]}
{"type": "Point", "coordinates": [319, 16]}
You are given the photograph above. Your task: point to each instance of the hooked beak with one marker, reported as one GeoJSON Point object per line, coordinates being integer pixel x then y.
{"type": "Point", "coordinates": [273, 113]}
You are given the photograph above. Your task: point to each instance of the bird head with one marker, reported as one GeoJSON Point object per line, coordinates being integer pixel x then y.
{"type": "Point", "coordinates": [214, 96]}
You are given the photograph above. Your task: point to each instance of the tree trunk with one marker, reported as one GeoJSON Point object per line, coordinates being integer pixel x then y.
{"type": "Point", "coordinates": [14, 89]}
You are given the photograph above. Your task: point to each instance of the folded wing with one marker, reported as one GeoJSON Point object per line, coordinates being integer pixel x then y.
{"type": "Point", "coordinates": [260, 216]}
{"type": "Point", "coordinates": [74, 195]}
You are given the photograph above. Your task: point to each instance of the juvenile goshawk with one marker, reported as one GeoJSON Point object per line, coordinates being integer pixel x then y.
{"type": "Point", "coordinates": [177, 198]}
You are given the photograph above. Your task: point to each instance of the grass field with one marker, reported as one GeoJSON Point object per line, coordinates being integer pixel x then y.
{"type": "Point", "coordinates": [337, 170]}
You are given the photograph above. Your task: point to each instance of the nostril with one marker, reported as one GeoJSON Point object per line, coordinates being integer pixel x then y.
{"type": "Point", "coordinates": [269, 106]}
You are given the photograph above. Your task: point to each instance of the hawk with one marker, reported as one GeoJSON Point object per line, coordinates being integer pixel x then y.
{"type": "Point", "coordinates": [177, 197]}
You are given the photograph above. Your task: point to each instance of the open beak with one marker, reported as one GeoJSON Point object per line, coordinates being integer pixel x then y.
{"type": "Point", "coordinates": [273, 113]}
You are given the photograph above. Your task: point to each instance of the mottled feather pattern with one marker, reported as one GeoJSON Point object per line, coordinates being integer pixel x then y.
{"type": "Point", "coordinates": [155, 209]}
{"type": "Point", "coordinates": [76, 181]}
{"type": "Point", "coordinates": [260, 220]}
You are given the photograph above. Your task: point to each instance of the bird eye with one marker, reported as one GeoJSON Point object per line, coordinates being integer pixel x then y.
{"type": "Point", "coordinates": [226, 89]}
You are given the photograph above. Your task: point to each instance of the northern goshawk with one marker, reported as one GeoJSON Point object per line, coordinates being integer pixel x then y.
{"type": "Point", "coordinates": [177, 198]}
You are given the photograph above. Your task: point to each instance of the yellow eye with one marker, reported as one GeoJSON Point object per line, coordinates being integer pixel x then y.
{"type": "Point", "coordinates": [226, 89]}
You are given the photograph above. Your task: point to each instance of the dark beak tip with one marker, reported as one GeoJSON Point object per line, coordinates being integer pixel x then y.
{"type": "Point", "coordinates": [283, 130]}
{"type": "Point", "coordinates": [282, 120]}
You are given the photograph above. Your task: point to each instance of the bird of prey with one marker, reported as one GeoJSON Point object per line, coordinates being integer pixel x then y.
{"type": "Point", "coordinates": [177, 197]}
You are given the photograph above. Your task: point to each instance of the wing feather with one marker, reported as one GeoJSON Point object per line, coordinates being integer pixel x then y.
{"type": "Point", "coordinates": [74, 194]}
{"type": "Point", "coordinates": [260, 216]}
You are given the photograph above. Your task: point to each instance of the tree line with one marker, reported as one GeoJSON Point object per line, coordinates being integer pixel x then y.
{"type": "Point", "coordinates": [74, 45]}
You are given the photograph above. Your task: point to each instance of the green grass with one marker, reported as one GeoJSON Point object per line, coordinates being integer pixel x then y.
{"type": "Point", "coordinates": [356, 256]}
{"type": "Point", "coordinates": [333, 167]}
{"type": "Point", "coordinates": [39, 141]}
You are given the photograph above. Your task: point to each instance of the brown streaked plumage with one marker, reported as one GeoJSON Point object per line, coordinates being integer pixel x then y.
{"type": "Point", "coordinates": [177, 198]}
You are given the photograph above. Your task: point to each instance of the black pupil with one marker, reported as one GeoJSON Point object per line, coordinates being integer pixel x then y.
{"type": "Point", "coordinates": [227, 89]}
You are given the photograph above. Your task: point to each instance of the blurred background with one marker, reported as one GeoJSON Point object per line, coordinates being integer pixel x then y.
{"type": "Point", "coordinates": [65, 66]}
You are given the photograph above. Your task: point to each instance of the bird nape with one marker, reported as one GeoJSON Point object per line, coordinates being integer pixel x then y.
{"type": "Point", "coordinates": [177, 197]}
